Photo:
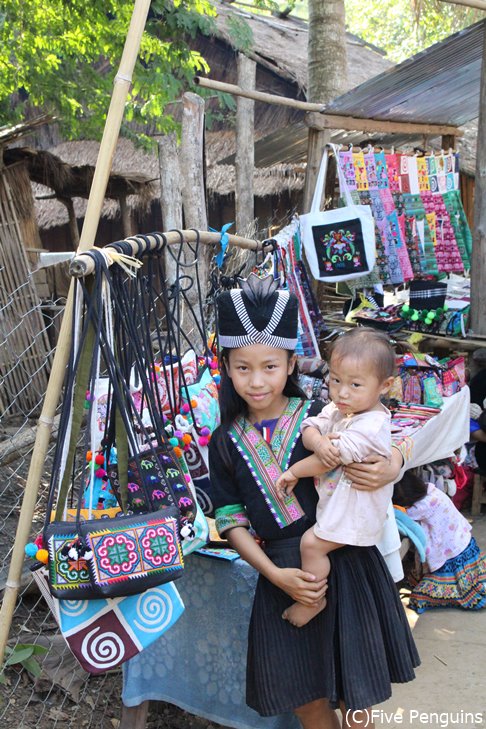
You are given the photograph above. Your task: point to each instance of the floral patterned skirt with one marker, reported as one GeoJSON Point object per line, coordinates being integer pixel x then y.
{"type": "Point", "coordinates": [460, 583]}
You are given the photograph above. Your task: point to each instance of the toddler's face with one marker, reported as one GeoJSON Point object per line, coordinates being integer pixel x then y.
{"type": "Point", "coordinates": [354, 386]}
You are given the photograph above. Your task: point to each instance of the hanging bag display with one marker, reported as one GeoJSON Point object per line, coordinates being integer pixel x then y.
{"type": "Point", "coordinates": [339, 244]}
{"type": "Point", "coordinates": [125, 555]}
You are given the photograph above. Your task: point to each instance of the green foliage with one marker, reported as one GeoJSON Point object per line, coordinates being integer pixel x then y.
{"type": "Point", "coordinates": [23, 654]}
{"type": "Point", "coordinates": [62, 57]}
{"type": "Point", "coordinates": [240, 33]}
{"type": "Point", "coordinates": [405, 27]}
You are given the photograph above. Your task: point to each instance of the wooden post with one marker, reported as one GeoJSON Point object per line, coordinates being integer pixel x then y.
{"type": "Point", "coordinates": [478, 259]}
{"type": "Point", "coordinates": [192, 162]}
{"type": "Point", "coordinates": [73, 223]}
{"type": "Point", "coordinates": [127, 223]}
{"type": "Point", "coordinates": [194, 200]}
{"type": "Point", "coordinates": [46, 420]}
{"type": "Point", "coordinates": [134, 717]}
{"type": "Point", "coordinates": [448, 141]}
{"type": "Point", "coordinates": [170, 193]}
{"type": "Point", "coordinates": [245, 148]}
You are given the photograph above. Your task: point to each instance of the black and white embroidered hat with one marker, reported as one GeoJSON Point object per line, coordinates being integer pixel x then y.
{"type": "Point", "coordinates": [257, 313]}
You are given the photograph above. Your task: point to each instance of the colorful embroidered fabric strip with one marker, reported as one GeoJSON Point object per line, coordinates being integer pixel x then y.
{"type": "Point", "coordinates": [233, 515]}
{"type": "Point", "coordinates": [263, 459]}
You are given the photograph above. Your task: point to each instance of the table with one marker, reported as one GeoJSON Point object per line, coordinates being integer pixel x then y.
{"type": "Point", "coordinates": [200, 664]}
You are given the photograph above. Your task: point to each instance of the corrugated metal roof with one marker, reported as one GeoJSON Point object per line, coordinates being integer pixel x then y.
{"type": "Point", "coordinates": [437, 86]}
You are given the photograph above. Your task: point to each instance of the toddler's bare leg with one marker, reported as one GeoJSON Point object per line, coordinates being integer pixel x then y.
{"type": "Point", "coordinates": [314, 555]}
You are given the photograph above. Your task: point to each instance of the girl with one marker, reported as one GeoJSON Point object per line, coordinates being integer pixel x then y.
{"type": "Point", "coordinates": [457, 570]}
{"type": "Point", "coordinates": [362, 367]}
{"type": "Point", "coordinates": [352, 650]}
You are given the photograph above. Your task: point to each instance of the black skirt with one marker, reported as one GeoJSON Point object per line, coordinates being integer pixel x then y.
{"type": "Point", "coordinates": [352, 651]}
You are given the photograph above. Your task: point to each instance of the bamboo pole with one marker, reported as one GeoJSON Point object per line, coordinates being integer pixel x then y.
{"type": "Point", "coordinates": [87, 239]}
{"type": "Point", "coordinates": [82, 265]}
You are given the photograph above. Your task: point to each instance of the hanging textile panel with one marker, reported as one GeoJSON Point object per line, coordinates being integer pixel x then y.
{"type": "Point", "coordinates": [421, 225]}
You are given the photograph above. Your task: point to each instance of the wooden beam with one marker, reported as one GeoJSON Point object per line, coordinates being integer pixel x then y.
{"type": "Point", "coordinates": [321, 120]}
{"type": "Point", "coordinates": [350, 123]}
{"type": "Point", "coordinates": [209, 83]}
{"type": "Point", "coordinates": [245, 148]}
{"type": "Point", "coordinates": [478, 4]}
{"type": "Point", "coordinates": [478, 259]}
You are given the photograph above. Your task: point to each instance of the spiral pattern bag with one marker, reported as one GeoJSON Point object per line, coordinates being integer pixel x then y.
{"type": "Point", "coordinates": [104, 633]}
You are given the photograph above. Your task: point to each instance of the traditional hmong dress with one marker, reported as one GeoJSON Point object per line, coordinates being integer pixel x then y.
{"type": "Point", "coordinates": [457, 576]}
{"type": "Point", "coordinates": [355, 648]}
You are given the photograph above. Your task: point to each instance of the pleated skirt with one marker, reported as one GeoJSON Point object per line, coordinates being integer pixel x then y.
{"type": "Point", "coordinates": [351, 652]}
{"type": "Point", "coordinates": [460, 583]}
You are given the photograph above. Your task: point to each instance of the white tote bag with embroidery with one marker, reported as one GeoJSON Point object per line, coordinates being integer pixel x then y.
{"type": "Point", "coordinates": [339, 244]}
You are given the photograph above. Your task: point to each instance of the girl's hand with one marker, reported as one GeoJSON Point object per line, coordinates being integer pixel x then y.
{"type": "Point", "coordinates": [374, 472]}
{"type": "Point", "coordinates": [327, 452]}
{"type": "Point", "coordinates": [300, 586]}
{"type": "Point", "coordinates": [286, 484]}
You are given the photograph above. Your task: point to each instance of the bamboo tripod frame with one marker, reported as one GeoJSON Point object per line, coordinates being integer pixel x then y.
{"type": "Point", "coordinates": [109, 140]}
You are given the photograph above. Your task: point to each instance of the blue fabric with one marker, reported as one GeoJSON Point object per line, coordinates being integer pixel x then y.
{"type": "Point", "coordinates": [473, 425]}
{"type": "Point", "coordinates": [219, 257]}
{"type": "Point", "coordinates": [200, 664]}
{"type": "Point", "coordinates": [409, 528]}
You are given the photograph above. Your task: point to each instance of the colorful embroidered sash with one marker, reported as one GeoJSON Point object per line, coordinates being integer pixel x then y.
{"type": "Point", "coordinates": [267, 461]}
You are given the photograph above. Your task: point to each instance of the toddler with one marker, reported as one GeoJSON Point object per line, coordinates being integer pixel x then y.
{"type": "Point", "coordinates": [353, 426]}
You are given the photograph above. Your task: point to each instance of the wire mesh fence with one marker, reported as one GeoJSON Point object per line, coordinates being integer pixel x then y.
{"type": "Point", "coordinates": [42, 684]}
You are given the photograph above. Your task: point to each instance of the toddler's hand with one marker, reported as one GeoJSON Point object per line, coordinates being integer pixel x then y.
{"type": "Point", "coordinates": [327, 452]}
{"type": "Point", "coordinates": [286, 484]}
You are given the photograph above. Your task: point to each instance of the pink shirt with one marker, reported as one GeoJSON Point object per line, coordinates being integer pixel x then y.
{"type": "Point", "coordinates": [448, 532]}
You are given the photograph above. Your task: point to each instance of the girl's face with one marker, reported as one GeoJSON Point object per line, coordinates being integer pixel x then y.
{"type": "Point", "coordinates": [353, 385]}
{"type": "Point", "coordinates": [259, 375]}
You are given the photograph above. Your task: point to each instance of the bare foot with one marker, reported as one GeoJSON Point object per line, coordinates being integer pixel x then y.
{"type": "Point", "coordinates": [299, 615]}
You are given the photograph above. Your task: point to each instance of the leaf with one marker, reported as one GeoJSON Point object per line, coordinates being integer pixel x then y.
{"type": "Point", "coordinates": [32, 667]}
{"type": "Point", "coordinates": [19, 655]}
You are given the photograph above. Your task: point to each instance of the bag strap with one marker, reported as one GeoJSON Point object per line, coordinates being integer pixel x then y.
{"type": "Point", "coordinates": [320, 182]}
{"type": "Point", "coordinates": [343, 185]}
{"type": "Point", "coordinates": [344, 190]}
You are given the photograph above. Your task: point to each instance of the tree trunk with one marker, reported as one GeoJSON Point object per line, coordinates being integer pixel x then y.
{"type": "Point", "coordinates": [478, 261]}
{"type": "Point", "coordinates": [245, 149]}
{"type": "Point", "coordinates": [326, 75]}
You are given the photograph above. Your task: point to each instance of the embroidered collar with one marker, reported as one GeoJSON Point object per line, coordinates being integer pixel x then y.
{"type": "Point", "coordinates": [267, 461]}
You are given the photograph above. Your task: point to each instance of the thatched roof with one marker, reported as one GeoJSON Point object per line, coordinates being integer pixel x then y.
{"type": "Point", "coordinates": [280, 45]}
{"type": "Point", "coordinates": [66, 172]}
{"type": "Point", "coordinates": [129, 160]}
